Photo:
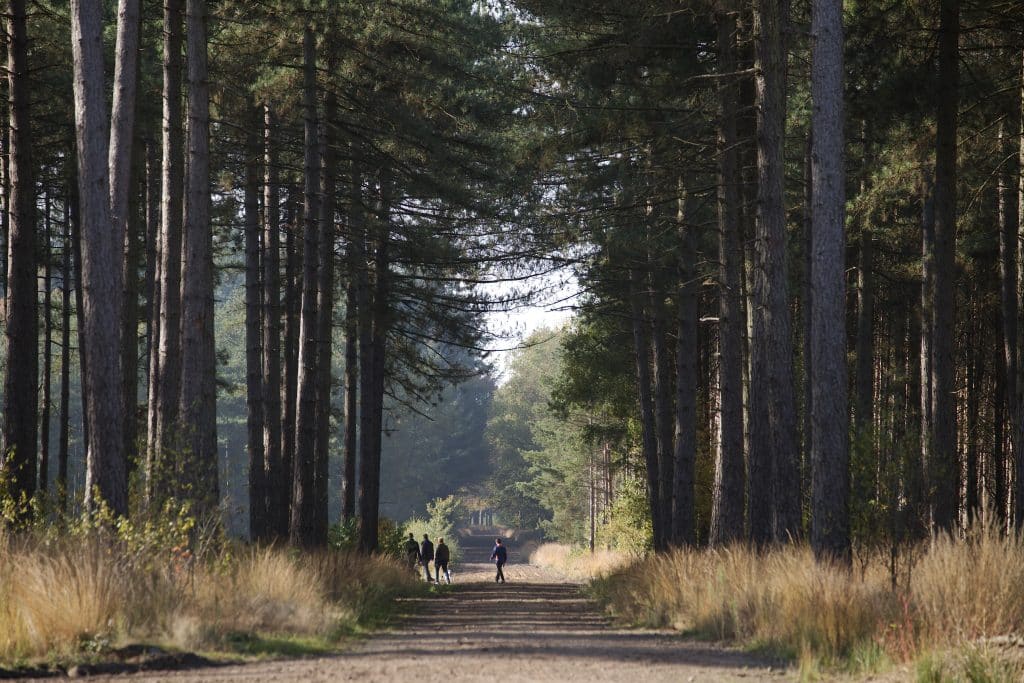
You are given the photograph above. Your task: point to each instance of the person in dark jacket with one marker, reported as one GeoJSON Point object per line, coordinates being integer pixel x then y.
{"type": "Point", "coordinates": [441, 558]}
{"type": "Point", "coordinates": [426, 555]}
{"type": "Point", "coordinates": [412, 552]}
{"type": "Point", "coordinates": [499, 556]}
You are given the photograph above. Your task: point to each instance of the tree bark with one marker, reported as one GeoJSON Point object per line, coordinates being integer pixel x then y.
{"type": "Point", "coordinates": [164, 442]}
{"type": "Point", "coordinates": [369, 484]}
{"type": "Point", "coordinates": [1018, 385]}
{"type": "Point", "coordinates": [134, 231]}
{"type": "Point", "coordinates": [325, 321]}
{"type": "Point", "coordinates": [44, 420]}
{"type": "Point", "coordinates": [153, 287]}
{"type": "Point", "coordinates": [1008, 308]}
{"type": "Point", "coordinates": [642, 358]}
{"type": "Point", "coordinates": [942, 468]}
{"type": "Point", "coordinates": [774, 477]}
{"type": "Point", "coordinates": [254, 393]}
{"type": "Point", "coordinates": [293, 285]}
{"type": "Point", "coordinates": [83, 361]}
{"type": "Point", "coordinates": [662, 396]}
{"type": "Point", "coordinates": [277, 494]}
{"type": "Point", "coordinates": [727, 497]}
{"type": "Point", "coordinates": [830, 478]}
{"type": "Point", "coordinates": [372, 350]}
{"type": "Point", "coordinates": [865, 338]}
{"type": "Point", "coordinates": [687, 375]}
{"type": "Point", "coordinates": [198, 407]}
{"type": "Point", "coordinates": [63, 434]}
{"type": "Point", "coordinates": [301, 531]}
{"type": "Point", "coordinates": [353, 254]}
{"type": "Point", "coordinates": [21, 393]}
{"type": "Point", "coordinates": [102, 268]}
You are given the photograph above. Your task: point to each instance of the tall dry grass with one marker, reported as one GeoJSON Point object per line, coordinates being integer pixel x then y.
{"type": "Point", "coordinates": [56, 599]}
{"type": "Point", "coordinates": [961, 591]}
{"type": "Point", "coordinates": [577, 563]}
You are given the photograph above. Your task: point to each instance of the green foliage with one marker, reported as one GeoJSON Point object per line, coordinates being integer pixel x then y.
{"type": "Point", "coordinates": [627, 527]}
{"type": "Point", "coordinates": [344, 536]}
{"type": "Point", "coordinates": [436, 528]}
{"type": "Point", "coordinates": [445, 514]}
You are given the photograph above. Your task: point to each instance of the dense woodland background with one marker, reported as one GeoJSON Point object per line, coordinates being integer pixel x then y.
{"type": "Point", "coordinates": [257, 277]}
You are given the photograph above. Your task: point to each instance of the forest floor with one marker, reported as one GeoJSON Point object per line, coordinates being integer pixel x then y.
{"type": "Point", "coordinates": [536, 627]}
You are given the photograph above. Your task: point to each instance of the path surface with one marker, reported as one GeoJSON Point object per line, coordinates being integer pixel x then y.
{"type": "Point", "coordinates": [537, 627]}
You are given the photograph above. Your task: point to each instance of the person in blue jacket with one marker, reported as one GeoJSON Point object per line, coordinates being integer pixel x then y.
{"type": "Point", "coordinates": [499, 556]}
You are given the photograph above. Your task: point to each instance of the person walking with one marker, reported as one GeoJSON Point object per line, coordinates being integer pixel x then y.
{"type": "Point", "coordinates": [426, 555]}
{"type": "Point", "coordinates": [441, 557]}
{"type": "Point", "coordinates": [499, 556]}
{"type": "Point", "coordinates": [412, 552]}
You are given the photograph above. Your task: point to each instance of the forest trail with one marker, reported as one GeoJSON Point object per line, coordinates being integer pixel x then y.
{"type": "Point", "coordinates": [537, 627]}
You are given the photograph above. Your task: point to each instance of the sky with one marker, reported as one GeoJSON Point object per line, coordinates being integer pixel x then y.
{"type": "Point", "coordinates": [555, 300]}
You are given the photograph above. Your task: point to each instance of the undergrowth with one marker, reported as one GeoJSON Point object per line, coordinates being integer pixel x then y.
{"type": "Point", "coordinates": [962, 595]}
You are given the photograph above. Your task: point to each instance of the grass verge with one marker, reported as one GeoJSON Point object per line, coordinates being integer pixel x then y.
{"type": "Point", "coordinates": [961, 595]}
{"type": "Point", "coordinates": [73, 601]}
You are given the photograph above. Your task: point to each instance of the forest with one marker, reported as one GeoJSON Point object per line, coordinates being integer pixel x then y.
{"type": "Point", "coordinates": [257, 257]}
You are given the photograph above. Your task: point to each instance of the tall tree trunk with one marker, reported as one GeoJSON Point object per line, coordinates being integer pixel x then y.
{"type": "Point", "coordinates": [325, 321]}
{"type": "Point", "coordinates": [130, 314]}
{"type": "Point", "coordinates": [369, 485]}
{"type": "Point", "coordinates": [865, 350]}
{"type": "Point", "coordinates": [374, 311]}
{"type": "Point", "coordinates": [63, 434]}
{"type": "Point", "coordinates": [254, 393]}
{"type": "Point", "coordinates": [1008, 308]}
{"type": "Point", "coordinates": [353, 253]}
{"type": "Point", "coordinates": [102, 268]}
{"type": "Point", "coordinates": [662, 396]}
{"type": "Point", "coordinates": [164, 442]}
{"type": "Point", "coordinates": [122, 156]}
{"type": "Point", "coordinates": [942, 468]}
{"type": "Point", "coordinates": [44, 420]}
{"type": "Point", "coordinates": [727, 500]}
{"type": "Point", "coordinates": [830, 475]}
{"type": "Point", "coordinates": [687, 375]}
{"type": "Point", "coordinates": [276, 493]}
{"type": "Point", "coordinates": [153, 285]}
{"type": "Point", "coordinates": [293, 284]}
{"type": "Point", "coordinates": [21, 402]}
{"type": "Point", "coordinates": [865, 338]}
{"type": "Point", "coordinates": [775, 508]}
{"type": "Point", "coordinates": [927, 323]}
{"type": "Point", "coordinates": [642, 358]}
{"type": "Point", "coordinates": [975, 381]}
{"type": "Point", "coordinates": [83, 361]}
{"type": "Point", "coordinates": [198, 407]}
{"type": "Point", "coordinates": [1017, 386]}
{"type": "Point", "coordinates": [301, 532]}
{"type": "Point", "coordinates": [5, 174]}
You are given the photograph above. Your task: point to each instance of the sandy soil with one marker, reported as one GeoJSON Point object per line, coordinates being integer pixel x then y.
{"type": "Point", "coordinates": [536, 627]}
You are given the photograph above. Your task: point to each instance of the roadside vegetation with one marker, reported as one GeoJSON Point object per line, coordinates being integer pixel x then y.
{"type": "Point", "coordinates": [95, 587]}
{"type": "Point", "coordinates": [952, 610]}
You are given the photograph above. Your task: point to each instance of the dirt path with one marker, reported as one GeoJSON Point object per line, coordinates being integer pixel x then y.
{"type": "Point", "coordinates": [537, 627]}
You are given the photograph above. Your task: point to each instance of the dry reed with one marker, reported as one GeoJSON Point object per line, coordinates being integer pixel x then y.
{"type": "Point", "coordinates": [58, 598]}
{"type": "Point", "coordinates": [578, 564]}
{"type": "Point", "coordinates": [961, 591]}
